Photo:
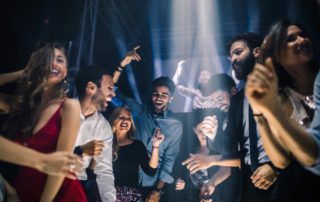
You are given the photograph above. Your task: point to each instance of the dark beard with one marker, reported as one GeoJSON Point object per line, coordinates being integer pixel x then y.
{"type": "Point", "coordinates": [247, 66]}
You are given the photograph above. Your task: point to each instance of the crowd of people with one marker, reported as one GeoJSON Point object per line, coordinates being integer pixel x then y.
{"type": "Point", "coordinates": [259, 141]}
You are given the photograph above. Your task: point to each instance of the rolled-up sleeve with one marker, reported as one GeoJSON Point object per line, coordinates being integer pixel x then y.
{"type": "Point", "coordinates": [170, 155]}
{"type": "Point", "coordinates": [314, 129]}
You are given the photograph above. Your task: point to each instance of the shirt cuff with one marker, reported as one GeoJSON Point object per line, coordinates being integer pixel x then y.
{"type": "Point", "coordinates": [316, 167]}
{"type": "Point", "coordinates": [165, 177]}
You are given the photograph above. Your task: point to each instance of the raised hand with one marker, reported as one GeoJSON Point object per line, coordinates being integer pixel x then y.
{"type": "Point", "coordinates": [178, 72]}
{"type": "Point", "coordinates": [131, 56]}
{"type": "Point", "coordinates": [209, 126]}
{"type": "Point", "coordinates": [157, 138]}
{"type": "Point", "coordinates": [262, 87]}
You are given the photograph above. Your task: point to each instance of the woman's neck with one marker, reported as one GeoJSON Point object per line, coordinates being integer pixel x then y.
{"type": "Point", "coordinates": [122, 138]}
{"type": "Point", "coordinates": [87, 108]}
{"type": "Point", "coordinates": [303, 79]}
{"type": "Point", "coordinates": [47, 96]}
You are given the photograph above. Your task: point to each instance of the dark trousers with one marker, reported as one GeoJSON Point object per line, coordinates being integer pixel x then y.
{"type": "Point", "coordinates": [145, 192]}
{"type": "Point", "coordinates": [90, 187]}
{"type": "Point", "coordinates": [249, 193]}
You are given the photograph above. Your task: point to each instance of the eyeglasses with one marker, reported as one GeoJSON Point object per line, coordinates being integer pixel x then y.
{"type": "Point", "coordinates": [159, 95]}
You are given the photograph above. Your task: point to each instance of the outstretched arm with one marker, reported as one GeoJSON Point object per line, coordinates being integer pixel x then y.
{"type": "Point", "coordinates": [156, 141]}
{"type": "Point", "coordinates": [130, 56]}
{"type": "Point", "coordinates": [198, 162]}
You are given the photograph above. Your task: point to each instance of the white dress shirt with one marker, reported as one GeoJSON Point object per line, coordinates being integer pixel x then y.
{"type": "Point", "coordinates": [98, 128]}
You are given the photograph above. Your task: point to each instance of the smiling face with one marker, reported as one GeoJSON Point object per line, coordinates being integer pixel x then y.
{"type": "Point", "coordinates": [58, 70]}
{"type": "Point", "coordinates": [123, 122]}
{"type": "Point", "coordinates": [104, 93]}
{"type": "Point", "coordinates": [221, 99]}
{"type": "Point", "coordinates": [200, 135]}
{"type": "Point", "coordinates": [204, 77]}
{"type": "Point", "coordinates": [161, 97]}
{"type": "Point", "coordinates": [242, 59]}
{"type": "Point", "coordinates": [297, 49]}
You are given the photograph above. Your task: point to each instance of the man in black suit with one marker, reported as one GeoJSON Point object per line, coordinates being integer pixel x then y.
{"type": "Point", "coordinates": [241, 142]}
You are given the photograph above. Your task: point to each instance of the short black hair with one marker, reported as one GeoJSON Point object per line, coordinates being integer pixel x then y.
{"type": "Point", "coordinates": [220, 81]}
{"type": "Point", "coordinates": [199, 114]}
{"type": "Point", "coordinates": [251, 39]}
{"type": "Point", "coordinates": [164, 81]}
{"type": "Point", "coordinates": [89, 73]}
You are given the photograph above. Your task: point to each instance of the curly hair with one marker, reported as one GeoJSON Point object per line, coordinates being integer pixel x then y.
{"type": "Point", "coordinates": [25, 109]}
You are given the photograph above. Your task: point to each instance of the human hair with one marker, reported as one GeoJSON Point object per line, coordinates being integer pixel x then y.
{"type": "Point", "coordinates": [251, 39]}
{"type": "Point", "coordinates": [274, 42]}
{"type": "Point", "coordinates": [220, 81]}
{"type": "Point", "coordinates": [90, 73]}
{"type": "Point", "coordinates": [25, 109]}
{"type": "Point", "coordinates": [164, 81]}
{"type": "Point", "coordinates": [113, 118]}
{"type": "Point", "coordinates": [199, 114]}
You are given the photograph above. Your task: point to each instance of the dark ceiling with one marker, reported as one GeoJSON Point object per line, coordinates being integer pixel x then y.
{"type": "Point", "coordinates": [23, 23]}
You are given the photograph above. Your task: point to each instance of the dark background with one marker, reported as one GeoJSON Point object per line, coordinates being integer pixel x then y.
{"type": "Point", "coordinates": [132, 22]}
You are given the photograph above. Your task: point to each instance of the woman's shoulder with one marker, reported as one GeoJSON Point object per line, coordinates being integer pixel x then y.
{"type": "Point", "coordinates": [138, 143]}
{"type": "Point", "coordinates": [70, 104]}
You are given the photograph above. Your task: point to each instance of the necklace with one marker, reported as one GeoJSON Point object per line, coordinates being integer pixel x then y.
{"type": "Point", "coordinates": [309, 102]}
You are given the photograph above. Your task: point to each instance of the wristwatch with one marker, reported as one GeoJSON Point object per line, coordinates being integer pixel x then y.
{"type": "Point", "coordinates": [78, 150]}
{"type": "Point", "coordinates": [161, 191]}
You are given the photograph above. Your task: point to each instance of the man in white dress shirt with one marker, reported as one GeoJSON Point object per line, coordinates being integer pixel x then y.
{"type": "Point", "coordinates": [95, 89]}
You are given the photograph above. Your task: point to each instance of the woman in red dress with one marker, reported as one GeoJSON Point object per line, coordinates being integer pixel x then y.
{"type": "Point", "coordinates": [43, 119]}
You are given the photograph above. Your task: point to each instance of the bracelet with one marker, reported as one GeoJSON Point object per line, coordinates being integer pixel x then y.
{"type": "Point", "coordinates": [120, 69]}
{"type": "Point", "coordinates": [257, 115]}
{"type": "Point", "coordinates": [153, 147]}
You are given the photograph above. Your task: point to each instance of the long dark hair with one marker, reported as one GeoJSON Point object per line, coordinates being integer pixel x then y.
{"type": "Point", "coordinates": [113, 118]}
{"type": "Point", "coordinates": [274, 42]}
{"type": "Point", "coordinates": [25, 112]}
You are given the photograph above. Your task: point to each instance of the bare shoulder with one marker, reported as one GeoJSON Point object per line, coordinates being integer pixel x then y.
{"type": "Point", "coordinates": [71, 104]}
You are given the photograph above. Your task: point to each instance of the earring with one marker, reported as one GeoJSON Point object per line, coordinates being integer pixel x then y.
{"type": "Point", "coordinates": [65, 86]}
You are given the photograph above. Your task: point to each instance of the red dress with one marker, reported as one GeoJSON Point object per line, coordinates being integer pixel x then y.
{"type": "Point", "coordinates": [30, 183]}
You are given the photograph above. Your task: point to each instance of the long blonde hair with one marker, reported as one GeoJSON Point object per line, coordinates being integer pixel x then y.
{"type": "Point", "coordinates": [113, 118]}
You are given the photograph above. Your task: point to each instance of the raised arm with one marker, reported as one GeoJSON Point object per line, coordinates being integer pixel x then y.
{"type": "Point", "coordinates": [10, 77]}
{"type": "Point", "coordinates": [156, 141]}
{"type": "Point", "coordinates": [177, 74]}
{"type": "Point", "coordinates": [266, 100]}
{"type": "Point", "coordinates": [130, 56]}
{"type": "Point", "coordinates": [70, 123]}
{"type": "Point", "coordinates": [6, 100]}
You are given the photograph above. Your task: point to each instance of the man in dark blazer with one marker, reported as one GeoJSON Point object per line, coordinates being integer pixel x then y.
{"type": "Point", "coordinates": [242, 145]}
